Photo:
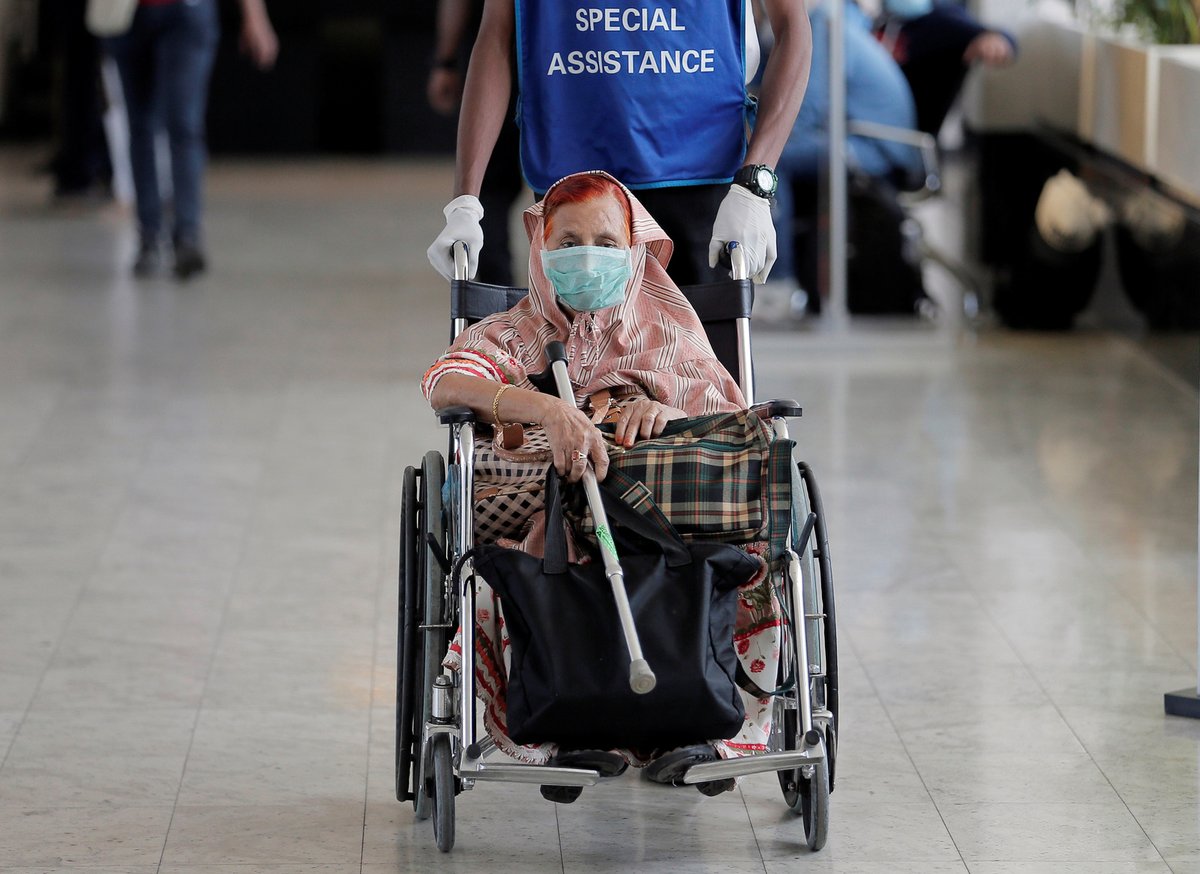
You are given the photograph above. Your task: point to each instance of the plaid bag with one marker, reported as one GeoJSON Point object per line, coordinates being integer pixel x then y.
{"type": "Point", "coordinates": [721, 477]}
{"type": "Point", "coordinates": [509, 486]}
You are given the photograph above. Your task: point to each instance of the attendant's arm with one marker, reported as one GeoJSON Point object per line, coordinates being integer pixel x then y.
{"type": "Point", "coordinates": [784, 80]}
{"type": "Point", "coordinates": [569, 430]}
{"type": "Point", "coordinates": [485, 96]}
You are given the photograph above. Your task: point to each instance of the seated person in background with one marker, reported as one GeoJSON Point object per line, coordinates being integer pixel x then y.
{"type": "Point", "coordinates": [876, 91]}
{"type": "Point", "coordinates": [598, 283]}
{"type": "Point", "coordinates": [935, 45]}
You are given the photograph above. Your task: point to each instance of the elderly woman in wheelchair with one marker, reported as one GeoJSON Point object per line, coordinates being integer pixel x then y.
{"type": "Point", "coordinates": [639, 361]}
{"type": "Point", "coordinates": [597, 282]}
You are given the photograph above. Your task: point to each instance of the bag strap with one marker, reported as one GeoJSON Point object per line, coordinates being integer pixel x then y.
{"type": "Point", "coordinates": [554, 556]}
{"type": "Point", "coordinates": [662, 534]}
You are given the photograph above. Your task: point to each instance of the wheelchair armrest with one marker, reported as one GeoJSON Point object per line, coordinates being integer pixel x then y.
{"type": "Point", "coordinates": [455, 415]}
{"type": "Point", "coordinates": [776, 409]}
{"type": "Point", "coordinates": [924, 143]}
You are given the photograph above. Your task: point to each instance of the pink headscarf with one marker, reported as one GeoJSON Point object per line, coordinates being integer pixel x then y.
{"type": "Point", "coordinates": [652, 341]}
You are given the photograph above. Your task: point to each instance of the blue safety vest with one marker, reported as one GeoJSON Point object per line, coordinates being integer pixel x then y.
{"type": "Point", "coordinates": [651, 91]}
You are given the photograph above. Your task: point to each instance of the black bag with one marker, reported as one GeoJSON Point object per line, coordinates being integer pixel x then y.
{"type": "Point", "coordinates": [1047, 288]}
{"type": "Point", "coordinates": [569, 676]}
{"type": "Point", "coordinates": [883, 268]}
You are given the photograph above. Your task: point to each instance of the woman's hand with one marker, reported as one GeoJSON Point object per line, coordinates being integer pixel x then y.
{"type": "Point", "coordinates": [643, 418]}
{"type": "Point", "coordinates": [573, 440]}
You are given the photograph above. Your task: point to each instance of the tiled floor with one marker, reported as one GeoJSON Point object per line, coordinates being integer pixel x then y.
{"type": "Point", "coordinates": [199, 489]}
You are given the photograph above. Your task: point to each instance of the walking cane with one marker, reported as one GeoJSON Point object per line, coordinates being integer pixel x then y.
{"type": "Point", "coordinates": [641, 678]}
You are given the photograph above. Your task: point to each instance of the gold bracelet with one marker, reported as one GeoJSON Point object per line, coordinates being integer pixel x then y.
{"type": "Point", "coordinates": [496, 402]}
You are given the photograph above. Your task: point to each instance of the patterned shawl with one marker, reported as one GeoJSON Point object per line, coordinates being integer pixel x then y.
{"type": "Point", "coordinates": [653, 341]}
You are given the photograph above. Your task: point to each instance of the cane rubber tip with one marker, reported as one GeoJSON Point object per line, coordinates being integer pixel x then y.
{"type": "Point", "coordinates": [641, 678]}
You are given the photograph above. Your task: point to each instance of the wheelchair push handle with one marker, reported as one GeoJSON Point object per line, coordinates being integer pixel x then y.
{"type": "Point", "coordinates": [641, 678]}
{"type": "Point", "coordinates": [733, 257]}
{"type": "Point", "coordinates": [461, 264]}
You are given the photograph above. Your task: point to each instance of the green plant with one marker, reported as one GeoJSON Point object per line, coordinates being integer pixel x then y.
{"type": "Point", "coordinates": [1167, 22]}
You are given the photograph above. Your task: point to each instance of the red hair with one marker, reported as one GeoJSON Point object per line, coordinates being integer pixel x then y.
{"type": "Point", "coordinates": [578, 189]}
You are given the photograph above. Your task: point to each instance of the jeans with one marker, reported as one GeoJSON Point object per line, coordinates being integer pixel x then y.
{"type": "Point", "coordinates": [165, 61]}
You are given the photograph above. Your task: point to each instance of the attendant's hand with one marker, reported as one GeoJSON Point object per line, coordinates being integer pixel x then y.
{"type": "Point", "coordinates": [463, 215]}
{"type": "Point", "coordinates": [642, 419]}
{"type": "Point", "coordinates": [574, 440]}
{"type": "Point", "coordinates": [745, 217]}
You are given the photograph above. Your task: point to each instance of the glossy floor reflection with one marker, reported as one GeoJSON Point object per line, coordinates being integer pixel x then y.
{"type": "Point", "coordinates": [199, 488]}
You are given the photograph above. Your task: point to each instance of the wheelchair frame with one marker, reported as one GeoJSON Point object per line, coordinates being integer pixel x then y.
{"type": "Point", "coordinates": [439, 751]}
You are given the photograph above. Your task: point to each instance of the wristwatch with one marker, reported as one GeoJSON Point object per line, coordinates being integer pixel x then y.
{"type": "Point", "coordinates": [758, 178]}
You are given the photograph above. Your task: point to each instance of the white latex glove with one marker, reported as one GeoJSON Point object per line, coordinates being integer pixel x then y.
{"type": "Point", "coordinates": [1067, 216]}
{"type": "Point", "coordinates": [745, 217]}
{"type": "Point", "coordinates": [462, 223]}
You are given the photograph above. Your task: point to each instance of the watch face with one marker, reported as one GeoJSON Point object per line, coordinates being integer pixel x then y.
{"type": "Point", "coordinates": [765, 180]}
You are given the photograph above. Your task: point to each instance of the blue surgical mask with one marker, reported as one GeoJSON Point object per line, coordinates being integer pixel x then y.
{"type": "Point", "coordinates": [908, 8]}
{"type": "Point", "coordinates": [588, 278]}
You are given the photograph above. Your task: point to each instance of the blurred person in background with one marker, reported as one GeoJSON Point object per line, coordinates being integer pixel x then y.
{"type": "Point", "coordinates": [936, 45]}
{"type": "Point", "coordinates": [165, 61]}
{"type": "Point", "coordinates": [80, 164]}
{"type": "Point", "coordinates": [876, 91]}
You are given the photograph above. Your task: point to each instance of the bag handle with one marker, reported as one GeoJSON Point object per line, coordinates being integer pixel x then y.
{"type": "Point", "coordinates": [554, 560]}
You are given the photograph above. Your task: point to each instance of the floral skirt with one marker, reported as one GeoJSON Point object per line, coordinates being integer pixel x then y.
{"type": "Point", "coordinates": [756, 639]}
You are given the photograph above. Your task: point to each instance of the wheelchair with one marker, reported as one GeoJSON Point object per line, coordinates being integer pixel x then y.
{"type": "Point", "coordinates": [439, 750]}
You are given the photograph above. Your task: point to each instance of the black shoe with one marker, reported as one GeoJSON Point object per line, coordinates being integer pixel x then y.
{"type": "Point", "coordinates": [605, 763]}
{"type": "Point", "coordinates": [189, 261]}
{"type": "Point", "coordinates": [148, 261]}
{"type": "Point", "coordinates": [670, 768]}
{"type": "Point", "coordinates": [562, 794]}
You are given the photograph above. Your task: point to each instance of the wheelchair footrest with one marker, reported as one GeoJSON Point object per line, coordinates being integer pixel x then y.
{"type": "Point", "coordinates": [540, 774]}
{"type": "Point", "coordinates": [744, 765]}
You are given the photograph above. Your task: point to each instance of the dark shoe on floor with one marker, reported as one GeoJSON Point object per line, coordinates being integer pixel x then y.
{"type": "Point", "coordinates": [670, 767]}
{"type": "Point", "coordinates": [148, 261]}
{"type": "Point", "coordinates": [603, 762]}
{"type": "Point", "coordinates": [189, 261]}
{"type": "Point", "coordinates": [561, 794]}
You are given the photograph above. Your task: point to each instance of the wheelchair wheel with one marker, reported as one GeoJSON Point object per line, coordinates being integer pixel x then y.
{"type": "Point", "coordinates": [814, 804]}
{"type": "Point", "coordinates": [826, 685]}
{"type": "Point", "coordinates": [431, 640]}
{"type": "Point", "coordinates": [805, 795]}
{"type": "Point", "coordinates": [407, 695]}
{"type": "Point", "coordinates": [444, 789]}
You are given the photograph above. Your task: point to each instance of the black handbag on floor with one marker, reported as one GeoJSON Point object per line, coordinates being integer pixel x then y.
{"type": "Point", "coordinates": [569, 676]}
